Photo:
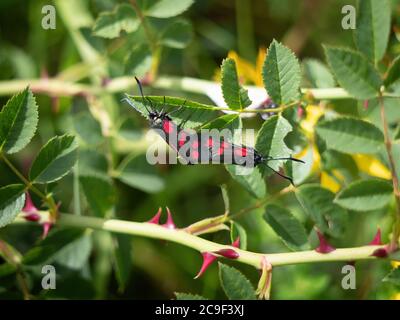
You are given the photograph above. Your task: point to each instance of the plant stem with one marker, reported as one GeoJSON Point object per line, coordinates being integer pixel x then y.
{"type": "Point", "coordinates": [395, 180]}
{"type": "Point", "coordinates": [254, 259]}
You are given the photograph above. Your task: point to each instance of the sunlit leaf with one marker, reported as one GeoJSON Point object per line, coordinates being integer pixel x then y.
{"type": "Point", "coordinates": [286, 226]}
{"type": "Point", "coordinates": [55, 159]}
{"type": "Point", "coordinates": [18, 121]}
{"type": "Point", "coordinates": [12, 200]}
{"type": "Point", "coordinates": [281, 74]}
{"type": "Point", "coordinates": [365, 195]}
{"type": "Point", "coordinates": [236, 286]}
{"type": "Point", "coordinates": [354, 72]}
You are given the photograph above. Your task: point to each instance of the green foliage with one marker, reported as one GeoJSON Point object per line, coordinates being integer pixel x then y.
{"type": "Point", "coordinates": [139, 61]}
{"type": "Point", "coordinates": [319, 204]}
{"type": "Point", "coordinates": [286, 226]}
{"type": "Point", "coordinates": [270, 140]}
{"type": "Point", "coordinates": [393, 277]}
{"type": "Point", "coordinates": [123, 259]}
{"type": "Point", "coordinates": [234, 95]}
{"type": "Point", "coordinates": [99, 193]}
{"type": "Point", "coordinates": [188, 296]}
{"type": "Point", "coordinates": [317, 74]}
{"type": "Point", "coordinates": [237, 231]}
{"type": "Point", "coordinates": [373, 28]}
{"type": "Point", "coordinates": [281, 74]}
{"type": "Point", "coordinates": [12, 199]}
{"type": "Point", "coordinates": [18, 121]}
{"type": "Point", "coordinates": [54, 160]}
{"type": "Point", "coordinates": [393, 77]}
{"type": "Point", "coordinates": [365, 195]}
{"type": "Point", "coordinates": [137, 173]}
{"type": "Point", "coordinates": [177, 35]}
{"type": "Point", "coordinates": [253, 182]}
{"type": "Point", "coordinates": [353, 72]}
{"type": "Point", "coordinates": [351, 135]}
{"type": "Point", "coordinates": [110, 24]}
{"type": "Point", "coordinates": [236, 286]}
{"type": "Point", "coordinates": [167, 8]}
{"type": "Point", "coordinates": [88, 128]}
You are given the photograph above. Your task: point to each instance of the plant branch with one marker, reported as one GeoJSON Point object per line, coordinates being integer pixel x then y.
{"type": "Point", "coordinates": [151, 230]}
{"type": "Point", "coordinates": [58, 87]}
{"type": "Point", "coordinates": [395, 180]}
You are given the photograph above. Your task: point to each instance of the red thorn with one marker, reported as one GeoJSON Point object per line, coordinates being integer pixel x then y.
{"type": "Point", "coordinates": [377, 241]}
{"type": "Point", "coordinates": [33, 217]}
{"type": "Point", "coordinates": [300, 112]}
{"type": "Point", "coordinates": [380, 253]}
{"type": "Point", "coordinates": [228, 253]}
{"type": "Point", "coordinates": [208, 259]}
{"type": "Point", "coordinates": [156, 218]}
{"type": "Point", "coordinates": [29, 205]}
{"type": "Point", "coordinates": [46, 228]}
{"type": "Point", "coordinates": [236, 243]}
{"type": "Point", "coordinates": [170, 222]}
{"type": "Point", "coordinates": [324, 246]}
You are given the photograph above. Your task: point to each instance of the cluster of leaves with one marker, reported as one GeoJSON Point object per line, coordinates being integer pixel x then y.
{"type": "Point", "coordinates": [152, 18]}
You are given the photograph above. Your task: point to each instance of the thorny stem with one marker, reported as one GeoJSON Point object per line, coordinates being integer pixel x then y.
{"type": "Point", "coordinates": [46, 198]}
{"type": "Point", "coordinates": [58, 87]}
{"type": "Point", "coordinates": [395, 180]}
{"type": "Point", "coordinates": [182, 237]}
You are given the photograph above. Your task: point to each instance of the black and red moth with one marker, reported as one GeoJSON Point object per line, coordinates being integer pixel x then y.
{"type": "Point", "coordinates": [194, 147]}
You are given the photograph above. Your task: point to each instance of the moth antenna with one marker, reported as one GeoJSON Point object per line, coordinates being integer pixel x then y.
{"type": "Point", "coordinates": [286, 158]}
{"type": "Point", "coordinates": [282, 175]}
{"type": "Point", "coordinates": [141, 93]}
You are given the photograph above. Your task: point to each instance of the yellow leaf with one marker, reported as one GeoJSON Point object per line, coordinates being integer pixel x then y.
{"type": "Point", "coordinates": [309, 122]}
{"type": "Point", "coordinates": [372, 166]}
{"type": "Point", "coordinates": [395, 264]}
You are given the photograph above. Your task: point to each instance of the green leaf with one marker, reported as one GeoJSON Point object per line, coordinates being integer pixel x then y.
{"type": "Point", "coordinates": [365, 195]}
{"type": "Point", "coordinates": [225, 197]}
{"type": "Point", "coordinates": [238, 231]}
{"type": "Point", "coordinates": [99, 193]}
{"type": "Point", "coordinates": [123, 259]}
{"type": "Point", "coordinates": [18, 121]}
{"type": "Point", "coordinates": [373, 27]}
{"type": "Point", "coordinates": [250, 178]}
{"type": "Point", "coordinates": [110, 24]}
{"type": "Point", "coordinates": [393, 277]}
{"type": "Point", "coordinates": [351, 135]}
{"type": "Point", "coordinates": [234, 95]}
{"type": "Point", "coordinates": [281, 74]}
{"type": "Point", "coordinates": [92, 162]}
{"type": "Point", "coordinates": [47, 249]}
{"type": "Point", "coordinates": [88, 128]}
{"type": "Point", "coordinates": [76, 253]}
{"type": "Point", "coordinates": [354, 72]}
{"type": "Point", "coordinates": [270, 140]}
{"type": "Point", "coordinates": [136, 172]}
{"type": "Point", "coordinates": [12, 200]}
{"type": "Point", "coordinates": [393, 76]}
{"type": "Point", "coordinates": [286, 226]}
{"type": "Point", "coordinates": [236, 286]}
{"type": "Point", "coordinates": [177, 35]}
{"type": "Point", "coordinates": [168, 8]}
{"type": "Point", "coordinates": [318, 74]}
{"type": "Point", "coordinates": [197, 113]}
{"type": "Point", "coordinates": [188, 296]}
{"type": "Point", "coordinates": [318, 204]}
{"type": "Point", "coordinates": [397, 133]}
{"type": "Point", "coordinates": [139, 61]}
{"type": "Point", "coordinates": [54, 160]}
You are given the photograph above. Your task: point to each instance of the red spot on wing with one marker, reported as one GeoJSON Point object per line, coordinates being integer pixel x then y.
{"type": "Point", "coordinates": [241, 152]}
{"type": "Point", "coordinates": [195, 154]}
{"type": "Point", "coordinates": [168, 126]}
